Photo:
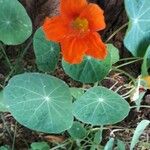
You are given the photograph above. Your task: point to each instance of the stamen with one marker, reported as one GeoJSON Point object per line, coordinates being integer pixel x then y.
{"type": "Point", "coordinates": [80, 24]}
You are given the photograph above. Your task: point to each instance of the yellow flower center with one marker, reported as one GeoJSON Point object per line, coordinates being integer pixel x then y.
{"type": "Point", "coordinates": [80, 24]}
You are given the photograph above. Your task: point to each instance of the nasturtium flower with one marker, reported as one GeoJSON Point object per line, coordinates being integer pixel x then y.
{"type": "Point", "coordinates": [76, 29]}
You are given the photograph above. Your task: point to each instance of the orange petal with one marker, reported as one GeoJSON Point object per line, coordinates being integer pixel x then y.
{"type": "Point", "coordinates": [55, 28]}
{"type": "Point", "coordinates": [72, 8]}
{"type": "Point", "coordinates": [96, 48]}
{"type": "Point", "coordinates": [94, 14]}
{"type": "Point", "coordinates": [73, 50]}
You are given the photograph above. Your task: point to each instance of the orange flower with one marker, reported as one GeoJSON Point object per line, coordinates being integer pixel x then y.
{"type": "Point", "coordinates": [76, 29]}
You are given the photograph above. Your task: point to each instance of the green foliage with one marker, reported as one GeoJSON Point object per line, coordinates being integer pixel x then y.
{"type": "Point", "coordinates": [46, 52]}
{"type": "Point", "coordinates": [98, 137]}
{"type": "Point", "coordinates": [138, 131]}
{"type": "Point", "coordinates": [40, 102]}
{"type": "Point", "coordinates": [114, 53]}
{"type": "Point", "coordinates": [137, 38]}
{"type": "Point", "coordinates": [120, 145]}
{"type": "Point", "coordinates": [1, 54]}
{"type": "Point", "coordinates": [6, 147]}
{"type": "Point", "coordinates": [76, 92]}
{"type": "Point", "coordinates": [109, 145]}
{"type": "Point", "coordinates": [89, 71]}
{"type": "Point", "coordinates": [77, 131]}
{"type": "Point", "coordinates": [15, 24]}
{"type": "Point", "coordinates": [146, 64]}
{"type": "Point", "coordinates": [44, 103]}
{"type": "Point", "coordinates": [3, 107]}
{"type": "Point", "coordinates": [100, 106]}
{"type": "Point", "coordinates": [144, 145]}
{"type": "Point", "coordinates": [40, 146]}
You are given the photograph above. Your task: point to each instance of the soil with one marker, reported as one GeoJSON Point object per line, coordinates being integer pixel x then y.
{"type": "Point", "coordinates": [38, 10]}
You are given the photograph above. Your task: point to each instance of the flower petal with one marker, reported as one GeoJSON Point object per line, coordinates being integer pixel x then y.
{"type": "Point", "coordinates": [73, 50]}
{"type": "Point", "coordinates": [55, 28]}
{"type": "Point", "coordinates": [72, 8]}
{"type": "Point", "coordinates": [96, 48]}
{"type": "Point", "coordinates": [94, 14]}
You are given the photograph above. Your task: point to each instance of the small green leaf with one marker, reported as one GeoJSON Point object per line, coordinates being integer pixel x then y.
{"type": "Point", "coordinates": [98, 137]}
{"type": "Point", "coordinates": [138, 131]}
{"type": "Point", "coordinates": [15, 24]}
{"type": "Point", "coordinates": [46, 52]}
{"type": "Point", "coordinates": [146, 65]}
{"type": "Point", "coordinates": [76, 92]}
{"type": "Point", "coordinates": [137, 38]}
{"type": "Point", "coordinates": [100, 106]}
{"type": "Point", "coordinates": [97, 147]}
{"type": "Point", "coordinates": [40, 146]}
{"type": "Point", "coordinates": [120, 145]}
{"type": "Point", "coordinates": [5, 147]}
{"type": "Point", "coordinates": [97, 140]}
{"type": "Point", "coordinates": [3, 107]}
{"type": "Point", "coordinates": [77, 131]}
{"type": "Point", "coordinates": [89, 71]}
{"type": "Point", "coordinates": [109, 145]}
{"type": "Point", "coordinates": [144, 145]}
{"type": "Point", "coordinates": [114, 52]}
{"type": "Point", "coordinates": [40, 102]}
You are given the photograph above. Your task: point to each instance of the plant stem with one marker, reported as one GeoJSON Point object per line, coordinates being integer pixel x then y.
{"type": "Point", "coordinates": [96, 84]}
{"type": "Point", "coordinates": [130, 62]}
{"type": "Point", "coordinates": [118, 30]}
{"type": "Point", "coordinates": [112, 133]}
{"type": "Point", "coordinates": [141, 106]}
{"type": "Point", "coordinates": [5, 55]}
{"type": "Point", "coordinates": [60, 145]}
{"type": "Point", "coordinates": [130, 58]}
{"type": "Point", "coordinates": [8, 76]}
{"type": "Point", "coordinates": [20, 58]}
{"type": "Point", "coordinates": [110, 128]}
{"type": "Point", "coordinates": [6, 127]}
{"type": "Point", "coordinates": [127, 93]}
{"type": "Point", "coordinates": [14, 138]}
{"type": "Point", "coordinates": [25, 50]}
{"type": "Point", "coordinates": [125, 73]}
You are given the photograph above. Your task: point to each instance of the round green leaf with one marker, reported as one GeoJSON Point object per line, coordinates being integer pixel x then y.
{"type": "Point", "coordinates": [100, 106]}
{"type": "Point", "coordinates": [114, 53]}
{"type": "Point", "coordinates": [46, 52]}
{"type": "Point", "coordinates": [137, 37]}
{"type": "Point", "coordinates": [15, 24]}
{"type": "Point", "coordinates": [77, 131]}
{"type": "Point", "coordinates": [89, 71]}
{"type": "Point", "coordinates": [40, 102]}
